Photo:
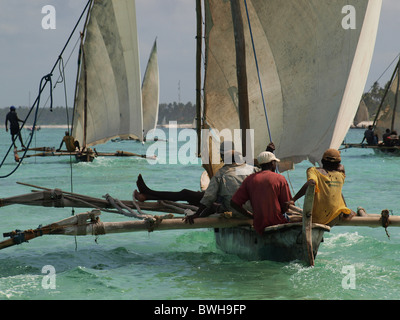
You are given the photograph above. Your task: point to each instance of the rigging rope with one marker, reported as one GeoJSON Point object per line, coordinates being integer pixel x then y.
{"type": "Point", "coordinates": [47, 78]}
{"type": "Point", "coordinates": [258, 71]}
{"type": "Point", "coordinates": [35, 105]}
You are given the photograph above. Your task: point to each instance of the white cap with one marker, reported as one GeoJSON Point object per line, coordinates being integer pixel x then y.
{"type": "Point", "coordinates": [266, 157]}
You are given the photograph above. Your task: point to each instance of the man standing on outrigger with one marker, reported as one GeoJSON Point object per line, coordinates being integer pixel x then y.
{"type": "Point", "coordinates": [12, 117]}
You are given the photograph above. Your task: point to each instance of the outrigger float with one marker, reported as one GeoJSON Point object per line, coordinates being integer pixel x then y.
{"type": "Point", "coordinates": [287, 242]}
{"type": "Point", "coordinates": [85, 156]}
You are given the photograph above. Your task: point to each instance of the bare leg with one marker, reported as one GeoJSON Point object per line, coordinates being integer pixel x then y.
{"type": "Point", "coordinates": [192, 197]}
{"type": "Point", "coordinates": [13, 141]}
{"type": "Point", "coordinates": [20, 140]}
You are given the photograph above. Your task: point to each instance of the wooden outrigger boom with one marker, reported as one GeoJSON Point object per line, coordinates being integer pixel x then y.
{"type": "Point", "coordinates": [225, 228]}
{"type": "Point", "coordinates": [60, 199]}
{"type": "Point", "coordinates": [89, 224]}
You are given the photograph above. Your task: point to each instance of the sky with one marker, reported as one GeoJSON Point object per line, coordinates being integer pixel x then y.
{"type": "Point", "coordinates": [28, 51]}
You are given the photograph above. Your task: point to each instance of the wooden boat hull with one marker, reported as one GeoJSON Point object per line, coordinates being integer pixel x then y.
{"type": "Point", "coordinates": [282, 243]}
{"type": "Point", "coordinates": [84, 157]}
{"type": "Point", "coordinates": [378, 149]}
{"type": "Point", "coordinates": [388, 151]}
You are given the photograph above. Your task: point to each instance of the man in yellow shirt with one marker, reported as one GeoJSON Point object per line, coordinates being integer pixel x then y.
{"type": "Point", "coordinates": [70, 143]}
{"type": "Point", "coordinates": [329, 203]}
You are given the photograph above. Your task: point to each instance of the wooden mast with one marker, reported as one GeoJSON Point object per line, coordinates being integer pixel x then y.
{"type": "Point", "coordinates": [241, 71]}
{"type": "Point", "coordinates": [307, 226]}
{"type": "Point", "coordinates": [79, 61]}
{"type": "Point", "coordinates": [199, 37]}
{"type": "Point", "coordinates": [84, 100]}
{"type": "Point", "coordinates": [85, 95]}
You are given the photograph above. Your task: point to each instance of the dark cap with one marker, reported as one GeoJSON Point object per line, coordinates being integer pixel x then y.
{"type": "Point", "coordinates": [332, 155]}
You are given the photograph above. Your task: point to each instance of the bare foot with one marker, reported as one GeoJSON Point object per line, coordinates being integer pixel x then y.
{"type": "Point", "coordinates": [139, 196]}
{"type": "Point", "coordinates": [141, 185]}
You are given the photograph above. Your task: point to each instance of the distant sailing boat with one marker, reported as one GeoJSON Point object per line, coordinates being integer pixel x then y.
{"type": "Point", "coordinates": [387, 118]}
{"type": "Point", "coordinates": [108, 97]}
{"type": "Point", "coordinates": [361, 119]}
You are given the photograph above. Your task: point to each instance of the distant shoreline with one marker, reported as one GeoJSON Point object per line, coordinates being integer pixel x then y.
{"type": "Point", "coordinates": [183, 125]}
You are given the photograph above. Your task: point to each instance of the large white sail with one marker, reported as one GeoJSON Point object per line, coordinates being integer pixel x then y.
{"type": "Point", "coordinates": [150, 92]}
{"type": "Point", "coordinates": [312, 67]}
{"type": "Point", "coordinates": [111, 62]}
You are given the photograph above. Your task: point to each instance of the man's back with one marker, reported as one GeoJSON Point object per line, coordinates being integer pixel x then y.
{"type": "Point", "coordinates": [69, 143]}
{"type": "Point", "coordinates": [13, 119]}
{"type": "Point", "coordinates": [328, 200]}
{"type": "Point", "coordinates": [225, 183]}
{"type": "Point", "coordinates": [267, 192]}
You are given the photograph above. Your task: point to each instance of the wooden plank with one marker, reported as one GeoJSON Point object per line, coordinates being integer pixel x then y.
{"type": "Point", "coordinates": [307, 226]}
{"type": "Point", "coordinates": [89, 224]}
{"type": "Point", "coordinates": [372, 221]}
{"type": "Point", "coordinates": [68, 199]}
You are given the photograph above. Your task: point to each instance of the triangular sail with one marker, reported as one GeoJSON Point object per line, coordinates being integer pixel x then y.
{"type": "Point", "coordinates": [150, 92]}
{"type": "Point", "coordinates": [114, 106]}
{"type": "Point", "coordinates": [389, 115]}
{"type": "Point", "coordinates": [362, 114]}
{"type": "Point", "coordinates": [312, 70]}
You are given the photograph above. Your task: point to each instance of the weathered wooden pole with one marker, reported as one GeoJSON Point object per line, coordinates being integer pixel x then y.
{"type": "Point", "coordinates": [307, 225]}
{"type": "Point", "coordinates": [241, 71]}
{"type": "Point", "coordinates": [199, 38]}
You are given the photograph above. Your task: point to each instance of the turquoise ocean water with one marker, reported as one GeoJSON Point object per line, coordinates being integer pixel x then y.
{"type": "Point", "coordinates": [171, 265]}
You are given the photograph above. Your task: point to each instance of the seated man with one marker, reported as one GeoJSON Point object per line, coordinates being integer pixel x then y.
{"type": "Point", "coordinates": [385, 137]}
{"type": "Point", "coordinates": [220, 189]}
{"type": "Point", "coordinates": [370, 136]}
{"type": "Point", "coordinates": [268, 193]}
{"type": "Point", "coordinates": [393, 139]}
{"type": "Point", "coordinates": [70, 143]}
{"type": "Point", "coordinates": [329, 204]}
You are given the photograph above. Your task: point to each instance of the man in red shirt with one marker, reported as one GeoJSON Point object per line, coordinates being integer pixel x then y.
{"type": "Point", "coordinates": [268, 193]}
